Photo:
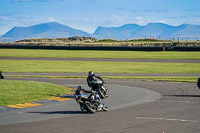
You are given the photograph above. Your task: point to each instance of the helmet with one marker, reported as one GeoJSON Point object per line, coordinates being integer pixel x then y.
{"type": "Point", "coordinates": [198, 79]}
{"type": "Point", "coordinates": [90, 73]}
{"type": "Point", "coordinates": [79, 87]}
{"type": "Point", "coordinates": [79, 90]}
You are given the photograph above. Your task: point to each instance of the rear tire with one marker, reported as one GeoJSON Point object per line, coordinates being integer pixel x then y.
{"type": "Point", "coordinates": [198, 84]}
{"type": "Point", "coordinates": [102, 93]}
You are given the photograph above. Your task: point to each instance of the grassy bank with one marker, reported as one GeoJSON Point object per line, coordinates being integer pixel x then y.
{"type": "Point", "coordinates": [14, 92]}
{"type": "Point", "coordinates": [98, 54]}
{"type": "Point", "coordinates": [100, 67]}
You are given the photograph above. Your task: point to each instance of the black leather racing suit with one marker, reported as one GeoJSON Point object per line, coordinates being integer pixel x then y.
{"type": "Point", "coordinates": [198, 83]}
{"type": "Point", "coordinates": [90, 81]}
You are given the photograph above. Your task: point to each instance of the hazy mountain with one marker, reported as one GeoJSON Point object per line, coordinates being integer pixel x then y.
{"type": "Point", "coordinates": [188, 31]}
{"type": "Point", "coordinates": [128, 31]}
{"type": "Point", "coordinates": [45, 30]}
{"type": "Point", "coordinates": [156, 30]}
{"type": "Point", "coordinates": [123, 32]}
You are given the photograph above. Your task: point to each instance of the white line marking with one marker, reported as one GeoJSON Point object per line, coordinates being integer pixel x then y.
{"type": "Point", "coordinates": [195, 102]}
{"type": "Point", "coordinates": [151, 118]}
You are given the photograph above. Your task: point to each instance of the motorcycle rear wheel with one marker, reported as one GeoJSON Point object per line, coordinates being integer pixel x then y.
{"type": "Point", "coordinates": [102, 93]}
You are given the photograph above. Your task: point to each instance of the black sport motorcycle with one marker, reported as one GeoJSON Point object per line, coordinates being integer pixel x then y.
{"type": "Point", "coordinates": [100, 87]}
{"type": "Point", "coordinates": [1, 75]}
{"type": "Point", "coordinates": [198, 82]}
{"type": "Point", "coordinates": [91, 103]}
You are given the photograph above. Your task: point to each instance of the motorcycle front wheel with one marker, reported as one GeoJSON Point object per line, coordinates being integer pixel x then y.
{"type": "Point", "coordinates": [89, 107]}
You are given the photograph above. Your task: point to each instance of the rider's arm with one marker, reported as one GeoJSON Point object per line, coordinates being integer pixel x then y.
{"type": "Point", "coordinates": [86, 91]}
{"type": "Point", "coordinates": [99, 78]}
{"type": "Point", "coordinates": [88, 81]}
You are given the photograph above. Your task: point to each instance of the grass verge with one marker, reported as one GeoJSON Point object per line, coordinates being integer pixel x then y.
{"type": "Point", "coordinates": [15, 92]}
{"type": "Point", "coordinates": [154, 78]}
{"type": "Point", "coordinates": [163, 78]}
{"type": "Point", "coordinates": [98, 54]}
{"type": "Point", "coordinates": [96, 66]}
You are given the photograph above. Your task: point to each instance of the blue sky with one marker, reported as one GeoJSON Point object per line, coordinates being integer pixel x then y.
{"type": "Point", "coordinates": [87, 15]}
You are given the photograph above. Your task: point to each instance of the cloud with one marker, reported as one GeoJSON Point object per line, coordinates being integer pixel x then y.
{"type": "Point", "coordinates": [118, 20]}
{"type": "Point", "coordinates": [121, 9]}
{"type": "Point", "coordinates": [141, 11]}
{"type": "Point", "coordinates": [191, 10]}
{"type": "Point", "coordinates": [52, 20]}
{"type": "Point", "coordinates": [30, 0]}
{"type": "Point", "coordinates": [161, 21]}
{"type": "Point", "coordinates": [90, 1]}
{"type": "Point", "coordinates": [156, 11]}
{"type": "Point", "coordinates": [9, 13]}
{"type": "Point", "coordinates": [10, 20]}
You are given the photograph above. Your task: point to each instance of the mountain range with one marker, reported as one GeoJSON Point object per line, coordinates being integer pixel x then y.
{"type": "Point", "coordinates": [45, 30]}
{"type": "Point", "coordinates": [155, 30]}
{"type": "Point", "coordinates": [127, 31]}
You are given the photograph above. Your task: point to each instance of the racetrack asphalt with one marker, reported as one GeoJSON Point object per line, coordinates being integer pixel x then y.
{"type": "Point", "coordinates": [177, 111]}
{"type": "Point", "coordinates": [134, 96]}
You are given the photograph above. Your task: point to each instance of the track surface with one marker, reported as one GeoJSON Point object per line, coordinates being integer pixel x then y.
{"type": "Point", "coordinates": [177, 111]}
{"type": "Point", "coordinates": [134, 96]}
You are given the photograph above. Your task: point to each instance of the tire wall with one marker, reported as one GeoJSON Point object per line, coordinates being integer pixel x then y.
{"type": "Point", "coordinates": [111, 48]}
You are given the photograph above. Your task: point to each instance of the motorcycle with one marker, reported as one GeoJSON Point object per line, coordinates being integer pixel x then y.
{"type": "Point", "coordinates": [198, 82]}
{"type": "Point", "coordinates": [101, 87]}
{"type": "Point", "coordinates": [91, 103]}
{"type": "Point", "coordinates": [1, 75]}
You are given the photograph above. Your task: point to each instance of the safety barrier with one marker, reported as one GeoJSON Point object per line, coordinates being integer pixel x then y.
{"type": "Point", "coordinates": [109, 48]}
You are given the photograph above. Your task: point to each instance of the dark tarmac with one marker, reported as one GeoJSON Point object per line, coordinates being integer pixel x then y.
{"type": "Point", "coordinates": [177, 111]}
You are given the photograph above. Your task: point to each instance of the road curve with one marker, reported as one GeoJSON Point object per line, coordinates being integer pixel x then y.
{"type": "Point", "coordinates": [177, 111]}
{"type": "Point", "coordinates": [119, 97]}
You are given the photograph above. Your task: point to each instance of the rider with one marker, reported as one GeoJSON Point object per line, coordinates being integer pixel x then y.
{"type": "Point", "coordinates": [1, 75]}
{"type": "Point", "coordinates": [198, 82]}
{"type": "Point", "coordinates": [80, 91]}
{"type": "Point", "coordinates": [91, 77]}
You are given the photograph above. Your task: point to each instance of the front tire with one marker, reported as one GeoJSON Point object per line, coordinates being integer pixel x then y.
{"type": "Point", "coordinates": [89, 107]}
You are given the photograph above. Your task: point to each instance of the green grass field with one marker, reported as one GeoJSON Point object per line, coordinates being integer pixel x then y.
{"type": "Point", "coordinates": [14, 92]}
{"type": "Point", "coordinates": [99, 54]}
{"type": "Point", "coordinates": [100, 67]}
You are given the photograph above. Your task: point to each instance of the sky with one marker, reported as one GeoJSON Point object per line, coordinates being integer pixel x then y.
{"type": "Point", "coordinates": [87, 15]}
